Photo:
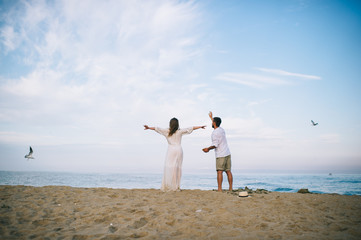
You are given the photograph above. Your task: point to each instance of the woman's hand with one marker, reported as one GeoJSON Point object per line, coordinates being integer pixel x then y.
{"type": "Point", "coordinates": [146, 127]}
{"type": "Point", "coordinates": [198, 127]}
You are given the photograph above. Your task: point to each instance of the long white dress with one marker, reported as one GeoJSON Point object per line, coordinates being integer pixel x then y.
{"type": "Point", "coordinates": [174, 158]}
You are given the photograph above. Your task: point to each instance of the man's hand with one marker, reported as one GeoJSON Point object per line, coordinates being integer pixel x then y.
{"type": "Point", "coordinates": [210, 114]}
{"type": "Point", "coordinates": [205, 150]}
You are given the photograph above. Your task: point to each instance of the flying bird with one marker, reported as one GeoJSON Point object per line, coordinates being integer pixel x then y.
{"type": "Point", "coordinates": [313, 123]}
{"type": "Point", "coordinates": [30, 154]}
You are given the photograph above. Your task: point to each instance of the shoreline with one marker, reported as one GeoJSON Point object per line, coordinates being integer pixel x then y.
{"type": "Point", "coordinates": [340, 184]}
{"type": "Point", "coordinates": [249, 190]}
{"type": "Point", "coordinates": [62, 212]}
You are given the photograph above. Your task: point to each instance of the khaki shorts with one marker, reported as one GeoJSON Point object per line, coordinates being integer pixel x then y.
{"type": "Point", "coordinates": [223, 163]}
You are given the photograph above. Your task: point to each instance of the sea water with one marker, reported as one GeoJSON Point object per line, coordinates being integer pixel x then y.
{"type": "Point", "coordinates": [346, 184]}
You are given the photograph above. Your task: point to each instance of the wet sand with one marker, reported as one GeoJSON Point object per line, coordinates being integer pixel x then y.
{"type": "Point", "coordinates": [58, 212]}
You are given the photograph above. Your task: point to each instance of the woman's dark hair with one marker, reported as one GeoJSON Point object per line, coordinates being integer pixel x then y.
{"type": "Point", "coordinates": [217, 120]}
{"type": "Point", "coordinates": [173, 126]}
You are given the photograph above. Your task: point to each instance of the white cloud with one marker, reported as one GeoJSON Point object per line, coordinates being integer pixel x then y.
{"type": "Point", "coordinates": [21, 138]}
{"type": "Point", "coordinates": [251, 80]}
{"type": "Point", "coordinates": [263, 79]}
{"type": "Point", "coordinates": [255, 103]}
{"type": "Point", "coordinates": [252, 104]}
{"type": "Point", "coordinates": [251, 129]}
{"type": "Point", "coordinates": [8, 38]}
{"type": "Point", "coordinates": [285, 73]}
{"type": "Point", "coordinates": [94, 69]}
{"type": "Point", "coordinates": [330, 138]}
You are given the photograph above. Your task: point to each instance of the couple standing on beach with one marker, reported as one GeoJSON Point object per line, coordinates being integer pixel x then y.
{"type": "Point", "coordinates": [174, 158]}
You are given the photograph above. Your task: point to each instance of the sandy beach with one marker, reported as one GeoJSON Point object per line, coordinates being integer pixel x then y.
{"type": "Point", "coordinates": [59, 212]}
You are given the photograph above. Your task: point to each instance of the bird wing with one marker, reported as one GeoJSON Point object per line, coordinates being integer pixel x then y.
{"type": "Point", "coordinates": [312, 122]}
{"type": "Point", "coordinates": [31, 151]}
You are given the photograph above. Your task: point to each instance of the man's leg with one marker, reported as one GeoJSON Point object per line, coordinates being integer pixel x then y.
{"type": "Point", "coordinates": [230, 179]}
{"type": "Point", "coordinates": [219, 180]}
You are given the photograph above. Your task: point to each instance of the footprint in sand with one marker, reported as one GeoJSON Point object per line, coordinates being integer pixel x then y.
{"type": "Point", "coordinates": [138, 224]}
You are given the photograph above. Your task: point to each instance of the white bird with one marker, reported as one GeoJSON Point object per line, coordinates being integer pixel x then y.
{"type": "Point", "coordinates": [313, 123]}
{"type": "Point", "coordinates": [30, 154]}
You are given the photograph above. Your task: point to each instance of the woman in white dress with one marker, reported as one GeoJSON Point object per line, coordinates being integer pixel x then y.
{"type": "Point", "coordinates": [174, 158]}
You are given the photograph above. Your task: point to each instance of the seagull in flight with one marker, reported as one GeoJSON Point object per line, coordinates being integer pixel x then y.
{"type": "Point", "coordinates": [30, 154]}
{"type": "Point", "coordinates": [313, 123]}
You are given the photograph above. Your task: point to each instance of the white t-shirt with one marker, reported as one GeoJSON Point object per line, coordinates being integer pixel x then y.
{"type": "Point", "coordinates": [220, 142]}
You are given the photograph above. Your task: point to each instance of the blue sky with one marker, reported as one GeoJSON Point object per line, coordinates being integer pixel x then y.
{"type": "Point", "coordinates": [78, 79]}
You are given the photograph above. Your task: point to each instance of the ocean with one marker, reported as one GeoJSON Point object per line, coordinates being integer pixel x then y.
{"type": "Point", "coordinates": [345, 184]}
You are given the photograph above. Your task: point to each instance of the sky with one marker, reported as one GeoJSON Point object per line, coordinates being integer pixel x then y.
{"type": "Point", "coordinates": [79, 79]}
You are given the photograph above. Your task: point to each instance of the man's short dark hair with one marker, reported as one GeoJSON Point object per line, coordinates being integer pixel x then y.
{"type": "Point", "coordinates": [218, 121]}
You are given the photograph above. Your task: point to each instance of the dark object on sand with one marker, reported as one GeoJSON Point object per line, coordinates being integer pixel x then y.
{"type": "Point", "coordinates": [303, 190]}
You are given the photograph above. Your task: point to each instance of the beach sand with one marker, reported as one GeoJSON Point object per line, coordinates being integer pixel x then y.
{"type": "Point", "coordinates": [59, 212]}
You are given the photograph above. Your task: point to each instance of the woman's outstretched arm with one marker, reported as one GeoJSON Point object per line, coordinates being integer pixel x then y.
{"type": "Point", "coordinates": [198, 127]}
{"type": "Point", "coordinates": [146, 127]}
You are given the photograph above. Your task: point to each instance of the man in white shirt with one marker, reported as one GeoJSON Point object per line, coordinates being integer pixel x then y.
{"type": "Point", "coordinates": [223, 155]}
